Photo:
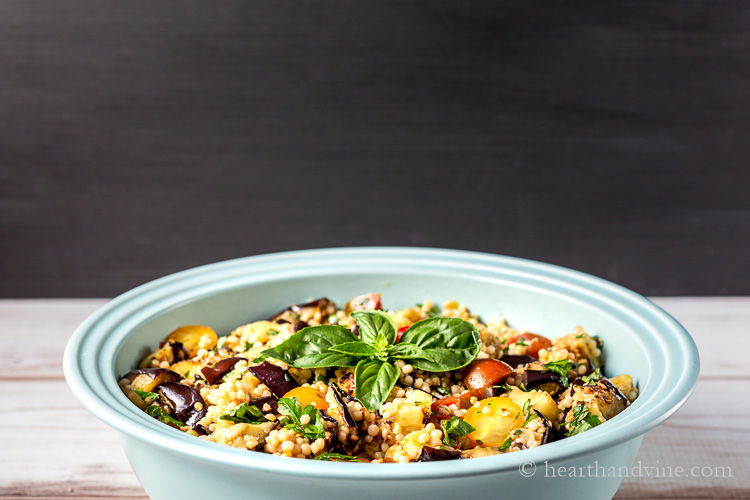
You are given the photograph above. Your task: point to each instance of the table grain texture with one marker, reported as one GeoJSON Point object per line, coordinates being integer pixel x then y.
{"type": "Point", "coordinates": [50, 447]}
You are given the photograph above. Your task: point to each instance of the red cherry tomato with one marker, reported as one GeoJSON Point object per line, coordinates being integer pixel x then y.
{"type": "Point", "coordinates": [400, 333]}
{"type": "Point", "coordinates": [534, 341]}
{"type": "Point", "coordinates": [483, 373]}
{"type": "Point", "coordinates": [366, 301]}
{"type": "Point", "coordinates": [462, 401]}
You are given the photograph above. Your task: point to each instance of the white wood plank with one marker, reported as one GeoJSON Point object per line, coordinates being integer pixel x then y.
{"type": "Point", "coordinates": [720, 327]}
{"type": "Point", "coordinates": [47, 324]}
{"type": "Point", "coordinates": [712, 430]}
{"type": "Point", "coordinates": [53, 447]}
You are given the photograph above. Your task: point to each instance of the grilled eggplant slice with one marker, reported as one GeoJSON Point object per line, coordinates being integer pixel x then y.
{"type": "Point", "coordinates": [430, 454]}
{"type": "Point", "coordinates": [187, 403]}
{"type": "Point", "coordinates": [146, 379]}
{"type": "Point", "coordinates": [213, 374]}
{"type": "Point", "coordinates": [278, 380]}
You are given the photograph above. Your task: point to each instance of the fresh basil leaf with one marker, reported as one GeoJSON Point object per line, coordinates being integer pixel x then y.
{"type": "Point", "coordinates": [373, 381]}
{"type": "Point", "coordinates": [337, 457]}
{"type": "Point", "coordinates": [408, 351]}
{"type": "Point", "coordinates": [454, 429]}
{"type": "Point", "coordinates": [451, 342]}
{"type": "Point", "coordinates": [292, 411]}
{"type": "Point", "coordinates": [375, 327]}
{"type": "Point", "coordinates": [309, 348]}
{"type": "Point", "coordinates": [156, 411]}
{"type": "Point", "coordinates": [354, 349]}
{"type": "Point", "coordinates": [245, 414]}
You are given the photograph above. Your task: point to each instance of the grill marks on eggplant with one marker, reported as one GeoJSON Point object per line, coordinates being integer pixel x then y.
{"type": "Point", "coordinates": [339, 396]}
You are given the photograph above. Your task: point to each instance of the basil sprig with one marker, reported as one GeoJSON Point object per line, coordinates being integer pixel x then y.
{"type": "Point", "coordinates": [292, 412]}
{"type": "Point", "coordinates": [433, 344]}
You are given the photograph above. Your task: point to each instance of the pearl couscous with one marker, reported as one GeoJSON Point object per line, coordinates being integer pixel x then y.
{"type": "Point", "coordinates": [362, 384]}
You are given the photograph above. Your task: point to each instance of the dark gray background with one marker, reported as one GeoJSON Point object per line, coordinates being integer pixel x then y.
{"type": "Point", "coordinates": [139, 138]}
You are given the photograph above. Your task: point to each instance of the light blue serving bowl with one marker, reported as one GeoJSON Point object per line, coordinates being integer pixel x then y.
{"type": "Point", "coordinates": [639, 338]}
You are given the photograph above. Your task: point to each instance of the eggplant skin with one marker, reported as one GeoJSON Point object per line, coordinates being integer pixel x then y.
{"type": "Point", "coordinates": [321, 304]}
{"type": "Point", "coordinates": [516, 360]}
{"type": "Point", "coordinates": [534, 378]}
{"type": "Point", "coordinates": [213, 374]}
{"type": "Point", "coordinates": [430, 454]}
{"type": "Point", "coordinates": [338, 396]}
{"type": "Point", "coordinates": [547, 427]}
{"type": "Point", "coordinates": [271, 401]}
{"type": "Point", "coordinates": [275, 378]}
{"type": "Point", "coordinates": [189, 407]}
{"type": "Point", "coordinates": [152, 373]}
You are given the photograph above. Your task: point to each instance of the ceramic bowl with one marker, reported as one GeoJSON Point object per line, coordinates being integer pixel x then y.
{"type": "Point", "coordinates": [639, 338]}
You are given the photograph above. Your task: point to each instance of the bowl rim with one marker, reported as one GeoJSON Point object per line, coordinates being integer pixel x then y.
{"type": "Point", "coordinates": [87, 362]}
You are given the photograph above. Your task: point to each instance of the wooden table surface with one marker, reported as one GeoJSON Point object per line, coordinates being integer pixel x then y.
{"type": "Point", "coordinates": [50, 447]}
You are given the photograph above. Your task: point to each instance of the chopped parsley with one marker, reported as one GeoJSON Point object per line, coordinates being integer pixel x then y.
{"type": "Point", "coordinates": [591, 379]}
{"type": "Point", "coordinates": [432, 312]}
{"type": "Point", "coordinates": [245, 414]}
{"type": "Point", "coordinates": [292, 411]}
{"type": "Point", "coordinates": [272, 332]}
{"type": "Point", "coordinates": [561, 367]}
{"type": "Point", "coordinates": [157, 412]}
{"type": "Point", "coordinates": [144, 395]}
{"type": "Point", "coordinates": [582, 421]}
{"type": "Point", "coordinates": [442, 391]}
{"type": "Point", "coordinates": [337, 457]}
{"type": "Point", "coordinates": [506, 444]}
{"type": "Point", "coordinates": [234, 374]}
{"type": "Point", "coordinates": [219, 344]}
{"type": "Point", "coordinates": [248, 345]}
{"type": "Point", "coordinates": [528, 413]}
{"type": "Point", "coordinates": [521, 341]}
{"type": "Point", "coordinates": [454, 429]}
{"type": "Point", "coordinates": [260, 359]}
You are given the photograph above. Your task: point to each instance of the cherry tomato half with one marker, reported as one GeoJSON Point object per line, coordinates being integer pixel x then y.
{"type": "Point", "coordinates": [534, 341]}
{"type": "Point", "coordinates": [483, 373]}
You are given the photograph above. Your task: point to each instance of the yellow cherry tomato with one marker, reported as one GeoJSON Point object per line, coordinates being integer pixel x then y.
{"type": "Point", "coordinates": [194, 337]}
{"type": "Point", "coordinates": [308, 396]}
{"type": "Point", "coordinates": [493, 420]}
